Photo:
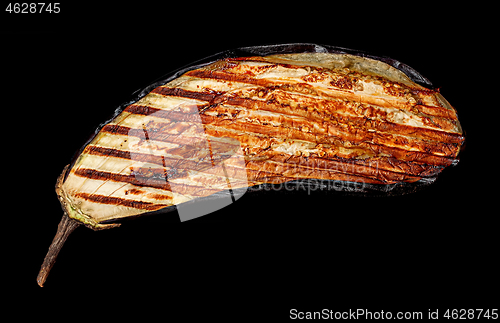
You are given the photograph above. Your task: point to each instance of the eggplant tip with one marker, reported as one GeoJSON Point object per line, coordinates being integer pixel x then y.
{"type": "Point", "coordinates": [42, 276]}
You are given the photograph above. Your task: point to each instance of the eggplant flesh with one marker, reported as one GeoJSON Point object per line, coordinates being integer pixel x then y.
{"type": "Point", "coordinates": [260, 117]}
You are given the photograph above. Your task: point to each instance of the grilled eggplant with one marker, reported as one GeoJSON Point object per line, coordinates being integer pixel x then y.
{"type": "Point", "coordinates": [243, 122]}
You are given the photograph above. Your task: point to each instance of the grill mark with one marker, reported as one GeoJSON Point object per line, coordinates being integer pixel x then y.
{"type": "Point", "coordinates": [129, 179]}
{"type": "Point", "coordinates": [436, 111]}
{"type": "Point", "coordinates": [441, 137]}
{"type": "Point", "coordinates": [353, 76]}
{"type": "Point", "coordinates": [118, 130]}
{"type": "Point", "coordinates": [370, 116]}
{"type": "Point", "coordinates": [202, 96]}
{"type": "Point", "coordinates": [176, 164]}
{"type": "Point", "coordinates": [176, 116]}
{"type": "Point", "coordinates": [338, 126]}
{"type": "Point", "coordinates": [440, 120]}
{"type": "Point", "coordinates": [311, 90]}
{"type": "Point", "coordinates": [235, 172]}
{"type": "Point", "coordinates": [163, 184]}
{"type": "Point", "coordinates": [276, 167]}
{"type": "Point", "coordinates": [321, 110]}
{"type": "Point", "coordinates": [230, 77]}
{"type": "Point", "coordinates": [103, 151]}
{"type": "Point", "coordinates": [410, 156]}
{"type": "Point", "coordinates": [433, 159]}
{"type": "Point", "coordinates": [101, 199]}
{"type": "Point", "coordinates": [279, 178]}
{"type": "Point", "coordinates": [144, 110]}
{"type": "Point", "coordinates": [178, 139]}
{"type": "Point", "coordinates": [408, 166]}
{"type": "Point", "coordinates": [445, 142]}
{"type": "Point", "coordinates": [210, 97]}
{"type": "Point", "coordinates": [296, 134]}
{"type": "Point", "coordinates": [332, 112]}
{"type": "Point", "coordinates": [430, 170]}
{"type": "Point", "coordinates": [389, 168]}
{"type": "Point", "coordinates": [380, 170]}
{"type": "Point", "coordinates": [445, 118]}
{"type": "Point", "coordinates": [277, 171]}
{"type": "Point", "coordinates": [176, 167]}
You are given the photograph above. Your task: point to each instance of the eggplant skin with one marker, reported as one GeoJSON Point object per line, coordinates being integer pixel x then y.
{"type": "Point", "coordinates": [242, 122]}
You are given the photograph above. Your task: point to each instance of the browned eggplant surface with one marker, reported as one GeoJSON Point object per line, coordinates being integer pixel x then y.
{"type": "Point", "coordinates": [241, 122]}
{"type": "Point", "coordinates": [247, 121]}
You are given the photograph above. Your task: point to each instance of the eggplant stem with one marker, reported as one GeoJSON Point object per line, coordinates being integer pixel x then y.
{"type": "Point", "coordinates": [64, 229]}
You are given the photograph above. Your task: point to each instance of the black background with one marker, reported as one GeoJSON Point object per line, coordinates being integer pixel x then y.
{"type": "Point", "coordinates": [64, 74]}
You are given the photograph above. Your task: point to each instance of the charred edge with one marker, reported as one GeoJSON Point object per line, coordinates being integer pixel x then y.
{"type": "Point", "coordinates": [260, 59]}
{"type": "Point", "coordinates": [101, 199]}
